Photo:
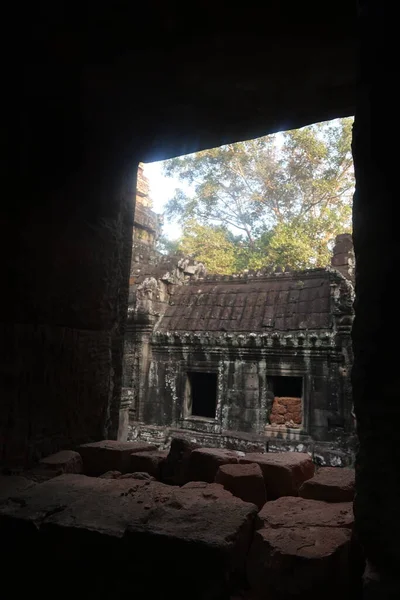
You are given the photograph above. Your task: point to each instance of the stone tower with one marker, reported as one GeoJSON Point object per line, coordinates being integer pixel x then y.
{"type": "Point", "coordinates": [343, 259]}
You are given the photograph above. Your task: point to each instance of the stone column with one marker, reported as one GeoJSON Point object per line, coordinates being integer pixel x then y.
{"type": "Point", "coordinates": [375, 376]}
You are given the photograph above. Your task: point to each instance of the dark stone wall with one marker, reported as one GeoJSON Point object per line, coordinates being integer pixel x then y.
{"type": "Point", "coordinates": [376, 327]}
{"type": "Point", "coordinates": [86, 100]}
{"type": "Point", "coordinates": [63, 292]}
{"type": "Point", "coordinates": [244, 394]}
{"type": "Point", "coordinates": [66, 250]}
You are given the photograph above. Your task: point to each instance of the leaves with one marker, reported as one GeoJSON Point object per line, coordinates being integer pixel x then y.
{"type": "Point", "coordinates": [265, 203]}
{"type": "Point", "coordinates": [210, 245]}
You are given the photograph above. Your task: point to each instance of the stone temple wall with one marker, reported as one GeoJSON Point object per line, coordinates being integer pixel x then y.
{"type": "Point", "coordinates": [204, 353]}
{"type": "Point", "coordinates": [244, 331]}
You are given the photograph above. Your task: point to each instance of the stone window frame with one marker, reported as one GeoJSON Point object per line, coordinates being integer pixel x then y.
{"type": "Point", "coordinates": [306, 408]}
{"type": "Point", "coordinates": [186, 368]}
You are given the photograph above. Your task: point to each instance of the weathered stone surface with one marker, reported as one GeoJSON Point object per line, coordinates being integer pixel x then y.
{"type": "Point", "coordinates": [211, 491]}
{"type": "Point", "coordinates": [199, 485]}
{"type": "Point", "coordinates": [174, 470]}
{"type": "Point", "coordinates": [21, 517]}
{"type": "Point", "coordinates": [111, 475]}
{"type": "Point", "coordinates": [299, 563]}
{"type": "Point", "coordinates": [138, 475]}
{"type": "Point", "coordinates": [330, 484]}
{"type": "Point", "coordinates": [109, 455]}
{"type": "Point", "coordinates": [244, 481]}
{"type": "Point", "coordinates": [204, 463]}
{"type": "Point", "coordinates": [40, 474]}
{"type": "Point", "coordinates": [13, 484]}
{"type": "Point", "coordinates": [66, 461]}
{"type": "Point", "coordinates": [300, 512]}
{"type": "Point", "coordinates": [148, 462]}
{"type": "Point", "coordinates": [283, 472]}
{"type": "Point", "coordinates": [154, 528]}
{"type": "Point", "coordinates": [295, 312]}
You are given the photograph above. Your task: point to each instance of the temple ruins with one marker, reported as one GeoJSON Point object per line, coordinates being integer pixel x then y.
{"type": "Point", "coordinates": [257, 359]}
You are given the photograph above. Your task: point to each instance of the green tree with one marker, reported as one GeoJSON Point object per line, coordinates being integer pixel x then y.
{"type": "Point", "coordinates": [167, 246]}
{"type": "Point", "coordinates": [276, 204]}
{"type": "Point", "coordinates": [210, 245]}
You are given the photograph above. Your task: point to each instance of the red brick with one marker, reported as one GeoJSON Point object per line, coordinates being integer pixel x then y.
{"type": "Point", "coordinates": [285, 410]}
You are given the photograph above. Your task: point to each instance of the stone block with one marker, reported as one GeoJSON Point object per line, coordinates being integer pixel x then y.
{"type": "Point", "coordinates": [209, 491]}
{"type": "Point", "coordinates": [138, 475]}
{"type": "Point", "coordinates": [244, 481]}
{"type": "Point", "coordinates": [162, 538]}
{"type": "Point", "coordinates": [20, 518]}
{"type": "Point", "coordinates": [174, 469]}
{"type": "Point", "coordinates": [299, 563]}
{"type": "Point", "coordinates": [110, 455]}
{"type": "Point", "coordinates": [40, 474]}
{"type": "Point", "coordinates": [283, 472]}
{"type": "Point", "coordinates": [330, 484]}
{"type": "Point", "coordinates": [148, 462]}
{"type": "Point", "coordinates": [10, 485]}
{"type": "Point", "coordinates": [205, 462]}
{"type": "Point", "coordinates": [299, 512]}
{"type": "Point", "coordinates": [111, 475]}
{"type": "Point", "coordinates": [65, 461]}
{"type": "Point", "coordinates": [340, 259]}
{"type": "Point", "coordinates": [203, 527]}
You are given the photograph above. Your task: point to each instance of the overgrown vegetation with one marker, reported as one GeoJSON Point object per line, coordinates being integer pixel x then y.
{"type": "Point", "coordinates": [263, 203]}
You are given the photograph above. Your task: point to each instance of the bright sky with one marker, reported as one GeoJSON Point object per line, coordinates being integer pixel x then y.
{"type": "Point", "coordinates": [163, 188]}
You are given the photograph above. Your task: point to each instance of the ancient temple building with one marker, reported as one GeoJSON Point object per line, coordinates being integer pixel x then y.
{"type": "Point", "coordinates": [89, 94]}
{"type": "Point", "coordinates": [224, 357]}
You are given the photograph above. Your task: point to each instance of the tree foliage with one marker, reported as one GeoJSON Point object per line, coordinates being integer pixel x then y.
{"type": "Point", "coordinates": [209, 244]}
{"type": "Point", "coordinates": [264, 203]}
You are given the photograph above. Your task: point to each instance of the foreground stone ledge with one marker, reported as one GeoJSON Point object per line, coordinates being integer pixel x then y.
{"type": "Point", "coordinates": [283, 472]}
{"type": "Point", "coordinates": [147, 527]}
{"type": "Point", "coordinates": [110, 455]}
{"type": "Point", "coordinates": [330, 484]}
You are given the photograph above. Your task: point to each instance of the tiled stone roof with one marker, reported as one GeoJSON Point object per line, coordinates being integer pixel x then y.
{"type": "Point", "coordinates": [284, 302]}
